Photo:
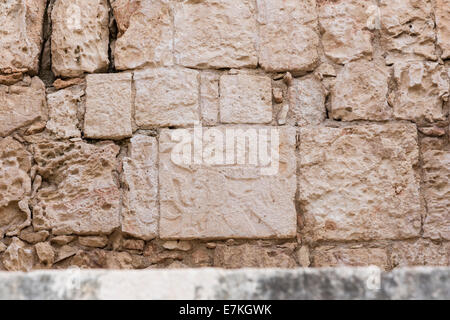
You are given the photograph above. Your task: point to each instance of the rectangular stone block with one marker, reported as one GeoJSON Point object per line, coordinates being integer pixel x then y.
{"type": "Point", "coordinates": [359, 182]}
{"type": "Point", "coordinates": [442, 16]}
{"type": "Point", "coordinates": [21, 105]}
{"type": "Point", "coordinates": [288, 38]}
{"type": "Point", "coordinates": [245, 99]}
{"type": "Point", "coordinates": [20, 43]}
{"type": "Point", "coordinates": [420, 253]}
{"type": "Point", "coordinates": [108, 106]}
{"type": "Point", "coordinates": [239, 184]}
{"type": "Point", "coordinates": [80, 37]}
{"type": "Point", "coordinates": [331, 256]}
{"type": "Point", "coordinates": [209, 97]}
{"type": "Point", "coordinates": [145, 34]}
{"type": "Point", "coordinates": [166, 97]}
{"type": "Point", "coordinates": [140, 208]}
{"type": "Point", "coordinates": [215, 34]}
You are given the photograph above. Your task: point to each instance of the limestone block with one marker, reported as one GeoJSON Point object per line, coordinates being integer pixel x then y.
{"type": "Point", "coordinates": [209, 97]}
{"type": "Point", "coordinates": [442, 15]}
{"type": "Point", "coordinates": [420, 253]}
{"type": "Point", "coordinates": [330, 256]}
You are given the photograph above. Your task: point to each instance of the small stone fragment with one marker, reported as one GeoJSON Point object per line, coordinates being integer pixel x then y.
{"type": "Point", "coordinates": [303, 256]}
{"type": "Point", "coordinates": [59, 84]}
{"type": "Point", "coordinates": [93, 241]}
{"type": "Point", "coordinates": [432, 131]}
{"type": "Point", "coordinates": [65, 252]}
{"type": "Point", "coordinates": [28, 235]}
{"type": "Point", "coordinates": [45, 253]}
{"type": "Point", "coordinates": [62, 240]}
{"type": "Point", "coordinates": [177, 245]}
{"type": "Point", "coordinates": [200, 257]}
{"type": "Point", "coordinates": [18, 257]}
{"type": "Point", "coordinates": [132, 244]}
{"type": "Point", "coordinates": [277, 94]}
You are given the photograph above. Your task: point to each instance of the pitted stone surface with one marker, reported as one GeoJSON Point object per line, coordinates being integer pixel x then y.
{"type": "Point", "coordinates": [215, 34]}
{"type": "Point", "coordinates": [442, 16]}
{"type": "Point", "coordinates": [359, 182]}
{"type": "Point", "coordinates": [80, 37]}
{"type": "Point", "coordinates": [330, 256]}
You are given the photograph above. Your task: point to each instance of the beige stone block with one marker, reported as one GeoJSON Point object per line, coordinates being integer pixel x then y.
{"type": "Point", "coordinates": [420, 253]}
{"type": "Point", "coordinates": [442, 16]}
{"type": "Point", "coordinates": [108, 106]}
{"type": "Point", "coordinates": [330, 256]}
{"type": "Point", "coordinates": [209, 97]}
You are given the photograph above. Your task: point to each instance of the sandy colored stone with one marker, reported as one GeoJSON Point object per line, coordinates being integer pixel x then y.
{"type": "Point", "coordinates": [207, 200]}
{"type": "Point", "coordinates": [132, 244]}
{"type": "Point", "coordinates": [45, 253]}
{"type": "Point", "coordinates": [251, 256]}
{"type": "Point", "coordinates": [21, 105]}
{"type": "Point", "coordinates": [307, 101]}
{"type": "Point", "coordinates": [64, 83]}
{"type": "Point", "coordinates": [21, 39]}
{"type": "Point", "coordinates": [145, 34]}
{"type": "Point", "coordinates": [93, 241]}
{"type": "Point", "coordinates": [407, 30]}
{"type": "Point", "coordinates": [436, 187]}
{"type": "Point", "coordinates": [166, 97]}
{"type": "Point", "coordinates": [360, 92]}
{"type": "Point", "coordinates": [62, 240]}
{"type": "Point", "coordinates": [420, 253]}
{"type": "Point", "coordinates": [432, 131]}
{"type": "Point", "coordinates": [343, 24]}
{"type": "Point", "coordinates": [330, 256]}
{"type": "Point", "coordinates": [2, 247]}
{"type": "Point", "coordinates": [177, 245]}
{"type": "Point", "coordinates": [209, 97]}
{"type": "Point", "coordinates": [215, 34]}
{"type": "Point", "coordinates": [28, 235]}
{"type": "Point", "coordinates": [18, 256]}
{"type": "Point", "coordinates": [15, 186]}
{"type": "Point", "coordinates": [63, 108]}
{"type": "Point", "coordinates": [80, 37]}
{"type": "Point", "coordinates": [108, 106]}
{"type": "Point", "coordinates": [65, 252]}
{"type": "Point", "coordinates": [359, 182]}
{"type": "Point", "coordinates": [303, 256]}
{"type": "Point", "coordinates": [140, 212]}
{"type": "Point", "coordinates": [10, 79]}
{"type": "Point", "coordinates": [442, 15]}
{"type": "Point", "coordinates": [81, 195]}
{"type": "Point", "coordinates": [245, 99]}
{"type": "Point", "coordinates": [288, 35]}
{"type": "Point", "coordinates": [422, 88]}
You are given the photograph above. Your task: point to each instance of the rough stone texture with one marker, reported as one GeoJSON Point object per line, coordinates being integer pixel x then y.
{"type": "Point", "coordinates": [15, 186]}
{"type": "Point", "coordinates": [63, 107]}
{"type": "Point", "coordinates": [154, 107]}
{"type": "Point", "coordinates": [252, 256]}
{"type": "Point", "coordinates": [145, 29]}
{"type": "Point", "coordinates": [81, 196]}
{"type": "Point", "coordinates": [359, 182]}
{"type": "Point", "coordinates": [422, 88]}
{"type": "Point", "coordinates": [288, 35]}
{"type": "Point", "coordinates": [307, 101]}
{"type": "Point", "coordinates": [419, 253]}
{"type": "Point", "coordinates": [436, 187]}
{"type": "Point", "coordinates": [205, 284]}
{"type": "Point", "coordinates": [245, 99]}
{"type": "Point", "coordinates": [45, 253]}
{"type": "Point", "coordinates": [21, 39]}
{"type": "Point", "coordinates": [442, 16]}
{"type": "Point", "coordinates": [210, 201]}
{"type": "Point", "coordinates": [331, 256]}
{"type": "Point", "coordinates": [80, 37]}
{"type": "Point", "coordinates": [18, 257]}
{"type": "Point", "coordinates": [215, 34]}
{"type": "Point", "coordinates": [343, 24]}
{"type": "Point", "coordinates": [360, 93]}
{"type": "Point", "coordinates": [21, 105]}
{"type": "Point", "coordinates": [108, 106]}
{"type": "Point", "coordinates": [407, 30]}
{"type": "Point", "coordinates": [93, 241]}
{"type": "Point", "coordinates": [140, 208]}
{"type": "Point", "coordinates": [209, 98]}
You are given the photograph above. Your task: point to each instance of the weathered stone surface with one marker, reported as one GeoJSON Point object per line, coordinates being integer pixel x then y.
{"type": "Point", "coordinates": [343, 24]}
{"type": "Point", "coordinates": [422, 88]}
{"type": "Point", "coordinates": [215, 34]}
{"type": "Point", "coordinates": [436, 187]}
{"type": "Point", "coordinates": [15, 186]}
{"type": "Point", "coordinates": [252, 256]}
{"type": "Point", "coordinates": [177, 245]}
{"type": "Point", "coordinates": [62, 240]}
{"type": "Point", "coordinates": [442, 15]}
{"type": "Point", "coordinates": [360, 92]}
{"type": "Point", "coordinates": [132, 244]}
{"type": "Point", "coordinates": [288, 35]}
{"type": "Point", "coordinates": [307, 101]}
{"type": "Point", "coordinates": [108, 106]}
{"type": "Point", "coordinates": [21, 105]}
{"type": "Point", "coordinates": [209, 97]}
{"type": "Point", "coordinates": [28, 235]}
{"type": "Point", "coordinates": [59, 84]}
{"type": "Point", "coordinates": [81, 195]}
{"type": "Point", "coordinates": [407, 30]}
{"type": "Point", "coordinates": [145, 34]}
{"type": "Point", "coordinates": [245, 99]}
{"type": "Point", "coordinates": [21, 40]}
{"type": "Point", "coordinates": [65, 252]}
{"type": "Point", "coordinates": [80, 37]}
{"type": "Point", "coordinates": [331, 256]}
{"type": "Point", "coordinates": [140, 174]}
{"type": "Point", "coordinates": [166, 97]}
{"type": "Point", "coordinates": [12, 78]}
{"type": "Point", "coordinates": [63, 108]}
{"type": "Point", "coordinates": [419, 253]}
{"type": "Point", "coordinates": [359, 182]}
{"type": "Point", "coordinates": [93, 241]}
{"type": "Point", "coordinates": [209, 200]}
{"type": "Point", "coordinates": [45, 253]}
{"type": "Point", "coordinates": [18, 257]}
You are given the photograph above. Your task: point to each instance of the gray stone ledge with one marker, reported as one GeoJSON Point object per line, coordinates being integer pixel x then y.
{"type": "Point", "coordinates": [326, 283]}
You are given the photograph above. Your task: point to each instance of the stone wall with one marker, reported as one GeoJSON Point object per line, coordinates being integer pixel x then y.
{"type": "Point", "coordinates": [92, 93]}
